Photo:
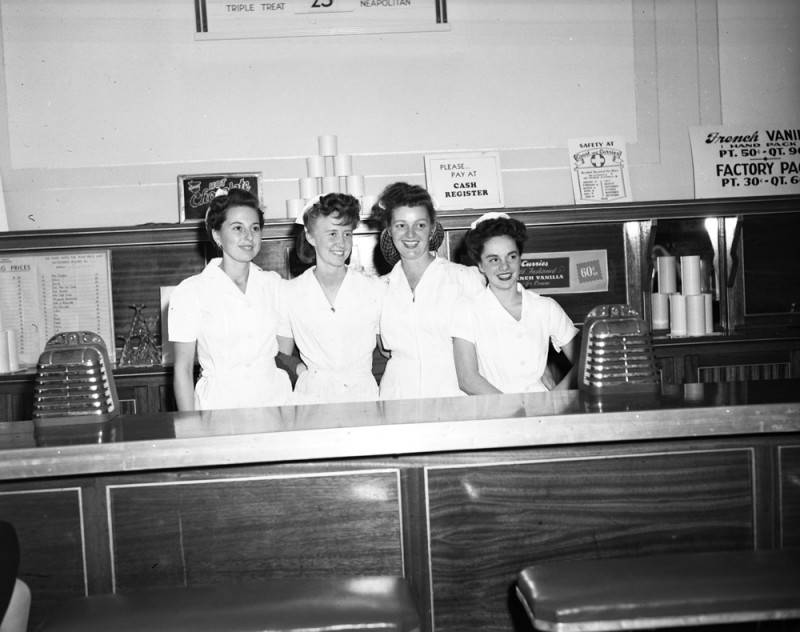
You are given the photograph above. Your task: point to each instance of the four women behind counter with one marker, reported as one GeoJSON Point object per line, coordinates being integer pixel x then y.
{"type": "Point", "coordinates": [446, 329]}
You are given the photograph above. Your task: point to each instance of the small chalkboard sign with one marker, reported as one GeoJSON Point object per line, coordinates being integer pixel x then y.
{"type": "Point", "coordinates": [196, 191]}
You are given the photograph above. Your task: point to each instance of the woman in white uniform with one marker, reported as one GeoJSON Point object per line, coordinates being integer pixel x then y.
{"type": "Point", "coordinates": [420, 298]}
{"type": "Point", "coordinates": [333, 309]}
{"type": "Point", "coordinates": [229, 314]}
{"type": "Point", "coordinates": [501, 337]}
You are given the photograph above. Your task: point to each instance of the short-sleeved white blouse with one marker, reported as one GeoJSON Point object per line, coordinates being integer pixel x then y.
{"type": "Point", "coordinates": [336, 342]}
{"type": "Point", "coordinates": [512, 354]}
{"type": "Point", "coordinates": [235, 333]}
{"type": "Point", "coordinates": [416, 327]}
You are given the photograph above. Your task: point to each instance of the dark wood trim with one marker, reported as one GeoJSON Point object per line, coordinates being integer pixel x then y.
{"type": "Point", "coordinates": [160, 234]}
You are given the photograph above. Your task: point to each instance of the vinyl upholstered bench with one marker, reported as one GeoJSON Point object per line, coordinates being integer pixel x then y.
{"type": "Point", "coordinates": [278, 605]}
{"type": "Point", "coordinates": [660, 591]}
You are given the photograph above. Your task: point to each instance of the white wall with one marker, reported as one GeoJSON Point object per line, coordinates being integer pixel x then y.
{"type": "Point", "coordinates": [107, 102]}
{"type": "Point", "coordinates": [760, 61]}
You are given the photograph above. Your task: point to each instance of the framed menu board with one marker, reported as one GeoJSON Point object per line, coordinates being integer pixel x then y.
{"type": "Point", "coordinates": [197, 190]}
{"type": "Point", "coordinates": [222, 19]}
{"type": "Point", "coordinates": [45, 294]}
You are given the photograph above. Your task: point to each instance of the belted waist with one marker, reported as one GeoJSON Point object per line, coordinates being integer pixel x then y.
{"type": "Point", "coordinates": [241, 371]}
{"type": "Point", "coordinates": [339, 372]}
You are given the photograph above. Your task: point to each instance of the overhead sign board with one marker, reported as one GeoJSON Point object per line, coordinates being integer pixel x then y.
{"type": "Point", "coordinates": [220, 19]}
{"type": "Point", "coordinates": [743, 161]}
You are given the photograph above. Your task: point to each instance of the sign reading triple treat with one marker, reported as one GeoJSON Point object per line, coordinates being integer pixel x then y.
{"type": "Point", "coordinates": [219, 19]}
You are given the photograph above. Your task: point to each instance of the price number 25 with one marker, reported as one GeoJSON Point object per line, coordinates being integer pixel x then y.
{"type": "Point", "coordinates": [327, 6]}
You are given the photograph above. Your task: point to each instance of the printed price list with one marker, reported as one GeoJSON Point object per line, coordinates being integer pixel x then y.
{"type": "Point", "coordinates": [42, 295]}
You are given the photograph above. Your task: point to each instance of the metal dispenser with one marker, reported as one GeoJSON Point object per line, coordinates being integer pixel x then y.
{"type": "Point", "coordinates": [74, 379]}
{"type": "Point", "coordinates": [616, 353]}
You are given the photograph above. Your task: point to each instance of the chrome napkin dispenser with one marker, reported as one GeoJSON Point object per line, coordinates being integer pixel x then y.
{"type": "Point", "coordinates": [74, 380]}
{"type": "Point", "coordinates": [616, 353]}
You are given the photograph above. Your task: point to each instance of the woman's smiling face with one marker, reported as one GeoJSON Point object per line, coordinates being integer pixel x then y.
{"type": "Point", "coordinates": [239, 236]}
{"type": "Point", "coordinates": [332, 240]}
{"type": "Point", "coordinates": [411, 231]}
{"type": "Point", "coordinates": [500, 262]}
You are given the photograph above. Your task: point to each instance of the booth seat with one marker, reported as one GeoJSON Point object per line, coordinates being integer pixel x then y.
{"type": "Point", "coordinates": [661, 591]}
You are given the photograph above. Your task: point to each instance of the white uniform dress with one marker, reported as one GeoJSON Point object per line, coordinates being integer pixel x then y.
{"type": "Point", "coordinates": [512, 355]}
{"type": "Point", "coordinates": [235, 333]}
{"type": "Point", "coordinates": [416, 327]}
{"type": "Point", "coordinates": [336, 342]}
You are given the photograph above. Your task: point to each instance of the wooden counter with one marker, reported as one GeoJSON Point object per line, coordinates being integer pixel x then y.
{"type": "Point", "coordinates": [455, 494]}
{"type": "Point", "coordinates": [301, 433]}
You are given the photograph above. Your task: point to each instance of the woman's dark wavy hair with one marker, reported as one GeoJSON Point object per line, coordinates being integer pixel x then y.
{"type": "Point", "coordinates": [401, 194]}
{"type": "Point", "coordinates": [485, 230]}
{"type": "Point", "coordinates": [341, 206]}
{"type": "Point", "coordinates": [218, 208]}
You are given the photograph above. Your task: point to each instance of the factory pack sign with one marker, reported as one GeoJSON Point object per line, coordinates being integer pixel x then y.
{"type": "Point", "coordinates": [742, 161]}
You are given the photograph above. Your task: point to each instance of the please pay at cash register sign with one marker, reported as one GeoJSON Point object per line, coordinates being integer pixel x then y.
{"type": "Point", "coordinates": [464, 181]}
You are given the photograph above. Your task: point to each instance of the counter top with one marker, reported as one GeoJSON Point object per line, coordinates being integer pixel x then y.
{"type": "Point", "coordinates": [35, 449]}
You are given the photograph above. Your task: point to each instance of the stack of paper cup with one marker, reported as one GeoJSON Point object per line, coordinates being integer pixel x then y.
{"type": "Point", "coordinates": [690, 310]}
{"type": "Point", "coordinates": [355, 185]}
{"type": "Point", "coordinates": [9, 360]}
{"type": "Point", "coordinates": [294, 207]}
{"type": "Point", "coordinates": [309, 187]}
{"type": "Point", "coordinates": [690, 275]}
{"type": "Point", "coordinates": [328, 145]}
{"type": "Point", "coordinates": [660, 307]}
{"type": "Point", "coordinates": [315, 166]}
{"type": "Point", "coordinates": [677, 314]}
{"type": "Point", "coordinates": [709, 309]}
{"type": "Point", "coordinates": [329, 172]}
{"type": "Point", "coordinates": [695, 315]}
{"type": "Point", "coordinates": [342, 165]}
{"type": "Point", "coordinates": [330, 184]}
{"type": "Point", "coordinates": [695, 301]}
{"type": "Point", "coordinates": [661, 303]}
{"type": "Point", "coordinates": [666, 275]}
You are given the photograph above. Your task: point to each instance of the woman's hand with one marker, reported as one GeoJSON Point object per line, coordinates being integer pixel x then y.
{"type": "Point", "coordinates": [547, 378]}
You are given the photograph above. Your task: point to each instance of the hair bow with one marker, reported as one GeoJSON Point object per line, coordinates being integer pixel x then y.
{"type": "Point", "coordinates": [489, 215]}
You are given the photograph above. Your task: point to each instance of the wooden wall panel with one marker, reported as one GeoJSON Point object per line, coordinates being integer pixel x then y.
{"type": "Point", "coordinates": [789, 477]}
{"type": "Point", "coordinates": [137, 273]}
{"type": "Point", "coordinates": [205, 532]}
{"type": "Point", "coordinates": [274, 255]}
{"type": "Point", "coordinates": [487, 523]}
{"type": "Point", "coordinates": [49, 525]}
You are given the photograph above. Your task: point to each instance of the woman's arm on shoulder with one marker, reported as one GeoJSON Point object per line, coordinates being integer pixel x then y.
{"type": "Point", "coordinates": [469, 378]}
{"type": "Point", "coordinates": [386, 353]}
{"type": "Point", "coordinates": [183, 374]}
{"type": "Point", "coordinates": [288, 360]}
{"type": "Point", "coordinates": [471, 279]}
{"type": "Point", "coordinates": [570, 351]}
